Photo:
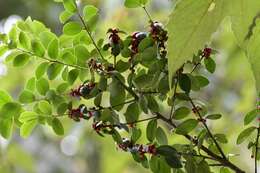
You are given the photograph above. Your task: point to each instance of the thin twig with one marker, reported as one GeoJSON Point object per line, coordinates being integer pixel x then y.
{"type": "Point", "coordinates": [196, 65]}
{"type": "Point", "coordinates": [256, 147]}
{"type": "Point", "coordinates": [53, 61]}
{"type": "Point", "coordinates": [148, 15]}
{"type": "Point", "coordinates": [89, 34]}
{"type": "Point", "coordinates": [174, 97]}
{"type": "Point", "coordinates": [196, 155]}
{"type": "Point", "coordinates": [206, 127]}
{"type": "Point", "coordinates": [221, 160]}
{"type": "Point", "coordinates": [120, 104]}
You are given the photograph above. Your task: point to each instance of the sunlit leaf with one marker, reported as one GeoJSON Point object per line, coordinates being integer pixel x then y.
{"type": "Point", "coordinates": [190, 28]}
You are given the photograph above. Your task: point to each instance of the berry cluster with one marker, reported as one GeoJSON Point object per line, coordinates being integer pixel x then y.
{"type": "Point", "coordinates": [115, 42]}
{"type": "Point", "coordinates": [114, 36]}
{"type": "Point", "coordinates": [101, 127]}
{"type": "Point", "coordinates": [83, 90]}
{"type": "Point", "coordinates": [128, 146]}
{"type": "Point", "coordinates": [81, 112]}
{"type": "Point", "coordinates": [98, 67]}
{"type": "Point", "coordinates": [196, 109]}
{"type": "Point", "coordinates": [160, 35]}
{"type": "Point", "coordinates": [137, 37]}
{"type": "Point", "coordinates": [207, 52]}
{"type": "Point", "coordinates": [95, 65]}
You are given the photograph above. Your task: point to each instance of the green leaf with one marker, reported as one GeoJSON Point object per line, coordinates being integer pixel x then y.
{"type": "Point", "coordinates": [45, 107]}
{"type": "Point", "coordinates": [136, 134]}
{"type": "Point", "coordinates": [102, 85]}
{"type": "Point", "coordinates": [148, 56]}
{"type": "Point", "coordinates": [187, 37]}
{"type": "Point", "coordinates": [24, 40]}
{"type": "Point", "coordinates": [62, 88]}
{"type": "Point", "coordinates": [26, 128]}
{"type": "Point", "coordinates": [10, 57]}
{"type": "Point", "coordinates": [57, 127]}
{"type": "Point", "coordinates": [70, 5]}
{"type": "Point", "coordinates": [42, 86]}
{"type": "Point", "coordinates": [117, 94]}
{"type": "Point", "coordinates": [46, 37]}
{"type": "Point", "coordinates": [181, 113]}
{"type": "Point", "coordinates": [254, 55]}
{"type": "Point", "coordinates": [210, 65]}
{"type": "Point", "coordinates": [82, 54]}
{"type": "Point", "coordinates": [116, 136]}
{"type": "Point", "coordinates": [243, 15]}
{"type": "Point", "coordinates": [54, 70]}
{"type": "Point", "coordinates": [65, 73]}
{"type": "Point", "coordinates": [132, 112]}
{"type": "Point", "coordinates": [6, 127]}
{"type": "Point", "coordinates": [98, 99]}
{"type": "Point", "coordinates": [214, 116]}
{"type": "Point", "coordinates": [185, 83]}
{"type": "Point", "coordinates": [152, 104]}
{"type": "Point", "coordinates": [62, 108]}
{"type": "Point", "coordinates": [30, 84]}
{"type": "Point", "coordinates": [171, 156]}
{"type": "Point", "coordinates": [41, 69]}
{"type": "Point", "coordinates": [151, 130]}
{"type": "Point", "coordinates": [163, 86]}
{"type": "Point", "coordinates": [89, 11]}
{"type": "Point", "coordinates": [145, 43]}
{"type": "Point", "coordinates": [53, 49]}
{"type": "Point", "coordinates": [202, 81]}
{"type": "Point", "coordinates": [224, 170]}
{"type": "Point", "coordinates": [161, 136]}
{"type": "Point", "coordinates": [26, 97]}
{"type": "Point", "coordinates": [73, 75]}
{"type": "Point", "coordinates": [38, 49]}
{"type": "Point", "coordinates": [143, 103]}
{"type": "Point", "coordinates": [72, 28]}
{"type": "Point", "coordinates": [144, 81]}
{"type": "Point", "coordinates": [251, 116]}
{"type": "Point", "coordinates": [203, 167]}
{"type": "Point", "coordinates": [221, 138]}
{"type": "Point", "coordinates": [68, 58]}
{"type": "Point", "coordinates": [3, 49]}
{"type": "Point", "coordinates": [27, 116]}
{"type": "Point", "coordinates": [65, 16]}
{"type": "Point", "coordinates": [186, 126]}
{"type": "Point", "coordinates": [135, 3]}
{"type": "Point", "coordinates": [245, 134]}
{"type": "Point", "coordinates": [4, 97]}
{"type": "Point", "coordinates": [122, 66]}
{"type": "Point", "coordinates": [10, 110]}
{"type": "Point", "coordinates": [21, 60]}
{"type": "Point", "coordinates": [106, 115]}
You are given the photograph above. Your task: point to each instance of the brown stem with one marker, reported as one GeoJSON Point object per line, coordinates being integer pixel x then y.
{"type": "Point", "coordinates": [256, 147]}
{"type": "Point", "coordinates": [221, 160]}
{"type": "Point", "coordinates": [148, 15]}
{"type": "Point", "coordinates": [174, 96]}
{"type": "Point", "coordinates": [89, 34]}
{"type": "Point", "coordinates": [127, 88]}
{"type": "Point", "coordinates": [130, 123]}
{"type": "Point", "coordinates": [120, 104]}
{"type": "Point", "coordinates": [206, 127]}
{"type": "Point", "coordinates": [53, 61]}
{"type": "Point", "coordinates": [196, 65]}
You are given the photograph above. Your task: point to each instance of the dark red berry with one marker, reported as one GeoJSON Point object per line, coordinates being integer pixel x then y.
{"type": "Point", "coordinates": [137, 37]}
{"type": "Point", "coordinates": [207, 52]}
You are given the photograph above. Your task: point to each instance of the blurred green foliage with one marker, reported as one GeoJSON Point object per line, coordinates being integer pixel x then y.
{"type": "Point", "coordinates": [231, 92]}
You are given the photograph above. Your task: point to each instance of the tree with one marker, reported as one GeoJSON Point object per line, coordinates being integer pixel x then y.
{"type": "Point", "coordinates": [140, 72]}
